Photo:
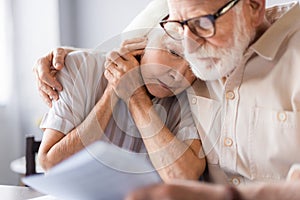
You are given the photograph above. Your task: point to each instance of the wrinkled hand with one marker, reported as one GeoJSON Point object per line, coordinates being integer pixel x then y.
{"type": "Point", "coordinates": [123, 71]}
{"type": "Point", "coordinates": [187, 190]}
{"type": "Point", "coordinates": [190, 190]}
{"type": "Point", "coordinates": [45, 70]}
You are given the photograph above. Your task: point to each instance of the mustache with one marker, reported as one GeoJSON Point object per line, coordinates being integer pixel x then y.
{"type": "Point", "coordinates": [209, 51]}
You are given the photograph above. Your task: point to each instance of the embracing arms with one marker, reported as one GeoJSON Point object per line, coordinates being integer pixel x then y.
{"type": "Point", "coordinates": [76, 120]}
{"type": "Point", "coordinates": [171, 157]}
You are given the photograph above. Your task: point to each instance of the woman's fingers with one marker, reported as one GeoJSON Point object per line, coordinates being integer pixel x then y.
{"type": "Point", "coordinates": [128, 50]}
{"type": "Point", "coordinates": [112, 73]}
{"type": "Point", "coordinates": [114, 56]}
{"type": "Point", "coordinates": [115, 71]}
{"type": "Point", "coordinates": [132, 47]}
{"type": "Point", "coordinates": [135, 43]}
{"type": "Point", "coordinates": [124, 63]}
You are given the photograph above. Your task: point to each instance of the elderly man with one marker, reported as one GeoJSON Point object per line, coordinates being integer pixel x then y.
{"type": "Point", "coordinates": [244, 131]}
{"type": "Point", "coordinates": [247, 107]}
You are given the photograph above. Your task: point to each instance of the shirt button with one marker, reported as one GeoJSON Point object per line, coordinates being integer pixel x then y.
{"type": "Point", "coordinates": [194, 100]}
{"type": "Point", "coordinates": [236, 181]}
{"type": "Point", "coordinates": [281, 116]}
{"type": "Point", "coordinates": [230, 95]}
{"type": "Point", "coordinates": [228, 142]}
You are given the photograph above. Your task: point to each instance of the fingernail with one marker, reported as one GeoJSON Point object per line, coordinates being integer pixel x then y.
{"type": "Point", "coordinates": [53, 97]}
{"type": "Point", "coordinates": [57, 88]}
{"type": "Point", "coordinates": [58, 65]}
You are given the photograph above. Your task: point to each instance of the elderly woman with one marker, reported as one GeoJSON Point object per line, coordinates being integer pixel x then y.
{"type": "Point", "coordinates": [142, 107]}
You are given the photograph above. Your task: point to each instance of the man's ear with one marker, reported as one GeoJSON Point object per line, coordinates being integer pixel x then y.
{"type": "Point", "coordinates": [256, 11]}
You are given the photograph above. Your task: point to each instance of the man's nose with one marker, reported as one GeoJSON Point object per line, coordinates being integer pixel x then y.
{"type": "Point", "coordinates": [191, 42]}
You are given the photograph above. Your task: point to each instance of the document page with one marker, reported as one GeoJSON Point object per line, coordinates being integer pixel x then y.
{"type": "Point", "coordinates": [100, 171]}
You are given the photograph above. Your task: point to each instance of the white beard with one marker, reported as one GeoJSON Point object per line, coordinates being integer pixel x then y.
{"type": "Point", "coordinates": [212, 63]}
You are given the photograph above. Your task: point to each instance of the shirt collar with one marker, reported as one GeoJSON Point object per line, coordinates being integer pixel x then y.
{"type": "Point", "coordinates": [269, 43]}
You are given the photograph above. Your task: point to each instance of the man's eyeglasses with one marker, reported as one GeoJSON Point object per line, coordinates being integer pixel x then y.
{"type": "Point", "coordinates": [202, 26]}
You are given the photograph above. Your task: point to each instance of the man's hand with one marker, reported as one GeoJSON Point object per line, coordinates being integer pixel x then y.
{"type": "Point", "coordinates": [187, 190]}
{"type": "Point", "coordinates": [45, 70]}
{"type": "Point", "coordinates": [190, 190]}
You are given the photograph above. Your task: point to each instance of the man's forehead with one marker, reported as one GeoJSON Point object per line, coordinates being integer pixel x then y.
{"type": "Point", "coordinates": [198, 2]}
{"type": "Point", "coordinates": [192, 8]}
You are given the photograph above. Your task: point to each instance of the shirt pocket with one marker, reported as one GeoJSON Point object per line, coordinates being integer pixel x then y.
{"type": "Point", "coordinates": [274, 142]}
{"type": "Point", "coordinates": [205, 112]}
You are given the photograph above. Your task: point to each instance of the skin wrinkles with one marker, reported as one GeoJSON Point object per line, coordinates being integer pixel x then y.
{"type": "Point", "coordinates": [224, 24]}
{"type": "Point", "coordinates": [215, 57]}
{"type": "Point", "coordinates": [164, 69]}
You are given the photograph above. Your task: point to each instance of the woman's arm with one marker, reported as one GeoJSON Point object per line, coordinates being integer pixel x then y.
{"type": "Point", "coordinates": [56, 145]}
{"type": "Point", "coordinates": [172, 158]}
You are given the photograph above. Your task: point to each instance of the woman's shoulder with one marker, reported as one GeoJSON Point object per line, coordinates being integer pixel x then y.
{"type": "Point", "coordinates": [84, 64]}
{"type": "Point", "coordinates": [85, 57]}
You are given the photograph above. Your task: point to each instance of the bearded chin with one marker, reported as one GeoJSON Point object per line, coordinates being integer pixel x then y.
{"type": "Point", "coordinates": [203, 70]}
{"type": "Point", "coordinates": [209, 70]}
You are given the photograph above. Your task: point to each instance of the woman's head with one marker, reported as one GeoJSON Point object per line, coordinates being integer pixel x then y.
{"type": "Point", "coordinates": [164, 70]}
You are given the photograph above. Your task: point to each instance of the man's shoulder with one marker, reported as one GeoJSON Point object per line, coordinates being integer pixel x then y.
{"type": "Point", "coordinates": [290, 23]}
{"type": "Point", "coordinates": [275, 12]}
{"type": "Point", "coordinates": [281, 35]}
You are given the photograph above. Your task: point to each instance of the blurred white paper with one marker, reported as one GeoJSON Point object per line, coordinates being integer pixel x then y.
{"type": "Point", "coordinates": [46, 197]}
{"type": "Point", "coordinates": [100, 171]}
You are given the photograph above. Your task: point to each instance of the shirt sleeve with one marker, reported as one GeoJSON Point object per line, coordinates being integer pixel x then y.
{"type": "Point", "coordinates": [83, 84]}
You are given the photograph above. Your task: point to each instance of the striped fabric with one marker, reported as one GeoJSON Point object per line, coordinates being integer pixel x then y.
{"type": "Point", "coordinates": [83, 87]}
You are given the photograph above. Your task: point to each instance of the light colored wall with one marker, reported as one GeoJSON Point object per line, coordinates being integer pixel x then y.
{"type": "Point", "coordinates": [33, 35]}
{"type": "Point", "coordinates": [89, 23]}
{"type": "Point", "coordinates": [272, 2]}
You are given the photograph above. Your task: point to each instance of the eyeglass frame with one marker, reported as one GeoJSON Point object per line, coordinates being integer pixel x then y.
{"type": "Point", "coordinates": [212, 17]}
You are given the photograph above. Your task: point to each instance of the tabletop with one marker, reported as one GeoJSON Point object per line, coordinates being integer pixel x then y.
{"type": "Point", "coordinates": [19, 166]}
{"type": "Point", "coordinates": [9, 192]}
